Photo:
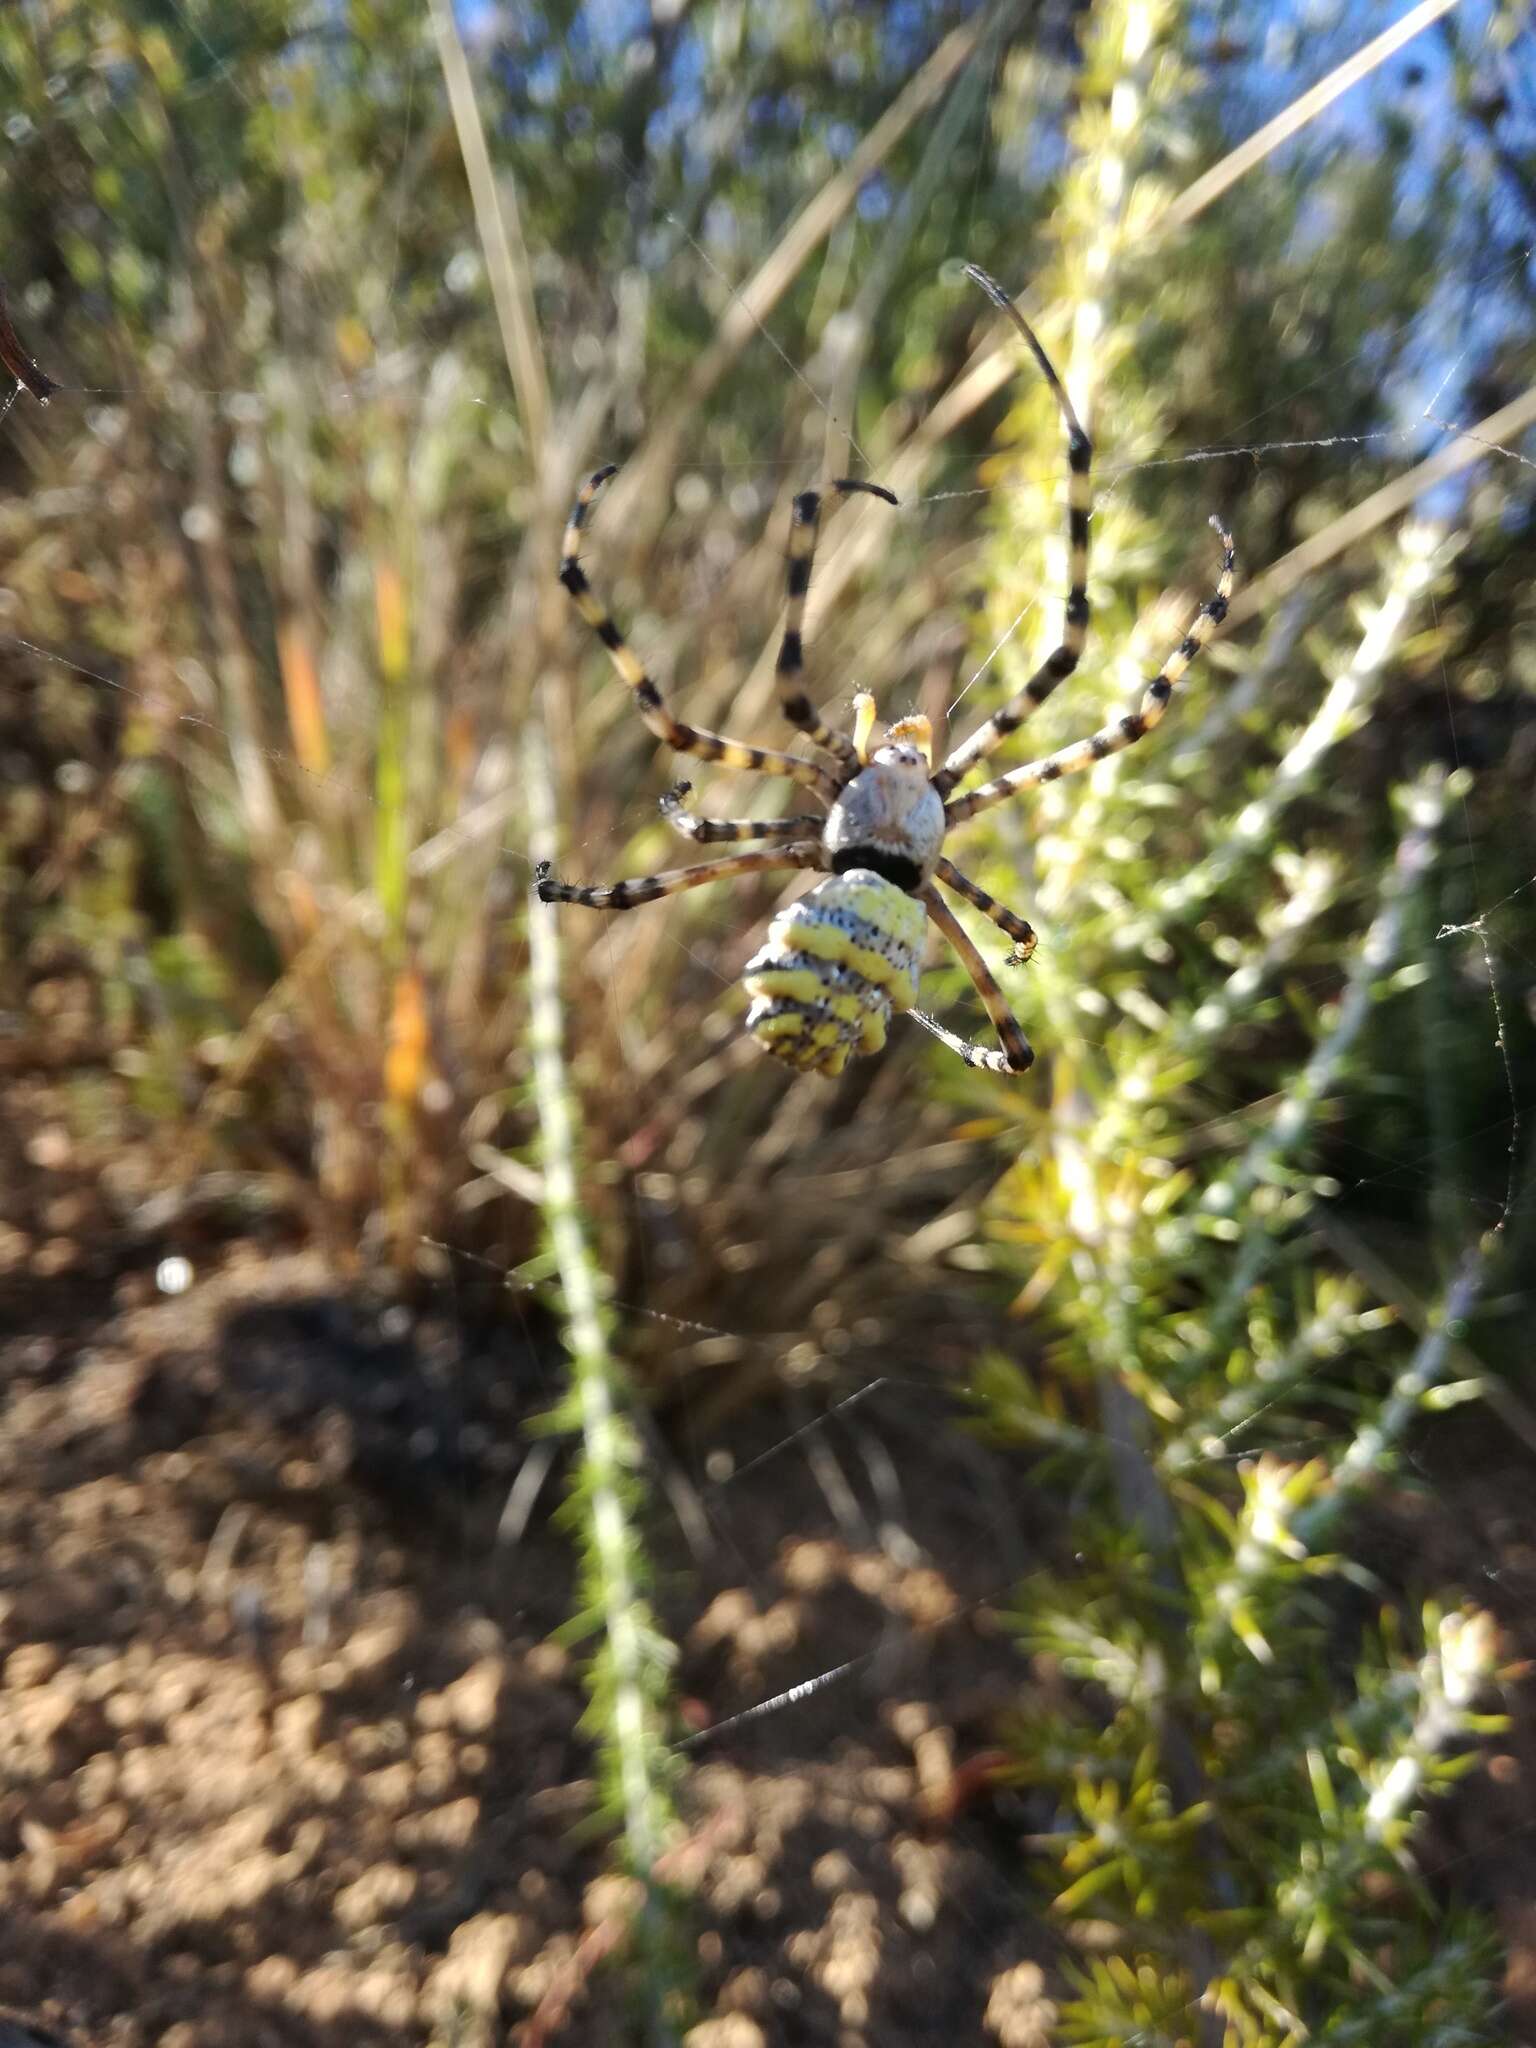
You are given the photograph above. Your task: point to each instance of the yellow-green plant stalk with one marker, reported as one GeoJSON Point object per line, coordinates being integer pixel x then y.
{"type": "Point", "coordinates": [391, 785]}
{"type": "Point", "coordinates": [1160, 1187]}
{"type": "Point", "coordinates": [1245, 1202]}
{"type": "Point", "coordinates": [1420, 555]}
{"type": "Point", "coordinates": [1130, 76]}
{"type": "Point", "coordinates": [628, 1676]}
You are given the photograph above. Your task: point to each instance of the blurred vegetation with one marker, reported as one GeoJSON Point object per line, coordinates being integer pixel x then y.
{"type": "Point", "coordinates": [278, 619]}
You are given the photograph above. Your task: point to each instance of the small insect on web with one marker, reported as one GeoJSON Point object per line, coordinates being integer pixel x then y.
{"type": "Point", "coordinates": [842, 958]}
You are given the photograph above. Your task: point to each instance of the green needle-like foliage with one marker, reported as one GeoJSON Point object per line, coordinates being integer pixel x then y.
{"type": "Point", "coordinates": [1228, 944]}
{"type": "Point", "coordinates": [344, 299]}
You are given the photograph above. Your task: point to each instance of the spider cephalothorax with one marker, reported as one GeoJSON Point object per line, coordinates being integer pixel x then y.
{"type": "Point", "coordinates": [838, 961]}
{"type": "Point", "coordinates": [889, 817]}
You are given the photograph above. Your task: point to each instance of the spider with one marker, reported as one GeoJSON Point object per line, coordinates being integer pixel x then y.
{"type": "Point", "coordinates": [839, 960]}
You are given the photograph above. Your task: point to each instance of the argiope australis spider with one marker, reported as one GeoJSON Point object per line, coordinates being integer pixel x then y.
{"type": "Point", "coordinates": [841, 958]}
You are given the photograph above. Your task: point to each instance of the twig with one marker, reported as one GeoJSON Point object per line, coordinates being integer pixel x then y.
{"type": "Point", "coordinates": [16, 359]}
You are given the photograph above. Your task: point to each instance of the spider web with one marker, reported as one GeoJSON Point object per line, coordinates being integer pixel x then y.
{"type": "Point", "coordinates": [830, 1438]}
{"type": "Point", "coordinates": [1417, 431]}
{"type": "Point", "coordinates": [1408, 438]}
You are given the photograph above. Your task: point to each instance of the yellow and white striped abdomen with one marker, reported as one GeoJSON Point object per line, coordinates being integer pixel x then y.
{"type": "Point", "coordinates": [835, 965]}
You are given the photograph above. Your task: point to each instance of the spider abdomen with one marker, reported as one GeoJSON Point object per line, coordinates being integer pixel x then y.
{"type": "Point", "coordinates": [834, 966]}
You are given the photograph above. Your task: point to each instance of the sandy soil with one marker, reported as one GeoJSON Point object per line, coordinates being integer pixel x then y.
{"type": "Point", "coordinates": [289, 1756]}
{"type": "Point", "coordinates": [290, 1759]}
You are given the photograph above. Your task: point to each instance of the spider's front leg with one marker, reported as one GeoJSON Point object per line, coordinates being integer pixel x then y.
{"type": "Point", "coordinates": [1063, 659]}
{"type": "Point", "coordinates": [1124, 732]}
{"type": "Point", "coordinates": [1017, 1055]}
{"type": "Point", "coordinates": [687, 739]}
{"type": "Point", "coordinates": [805, 524]}
{"type": "Point", "coordinates": [727, 831]}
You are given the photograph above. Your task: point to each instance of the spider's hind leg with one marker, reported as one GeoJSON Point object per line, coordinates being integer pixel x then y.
{"type": "Point", "coordinates": [1017, 1053]}
{"type": "Point", "coordinates": [1063, 659]}
{"type": "Point", "coordinates": [805, 524]}
{"type": "Point", "coordinates": [687, 739]}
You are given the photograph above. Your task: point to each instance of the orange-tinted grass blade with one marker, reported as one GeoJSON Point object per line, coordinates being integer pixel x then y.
{"type": "Point", "coordinates": [405, 1057]}
{"type": "Point", "coordinates": [389, 608]}
{"type": "Point", "coordinates": [301, 695]}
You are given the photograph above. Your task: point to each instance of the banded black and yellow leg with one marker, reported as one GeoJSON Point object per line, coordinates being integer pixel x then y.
{"type": "Point", "coordinates": [673, 881]}
{"type": "Point", "coordinates": [1017, 1054]}
{"type": "Point", "coordinates": [805, 524]}
{"type": "Point", "coordinates": [687, 739]}
{"type": "Point", "coordinates": [728, 831]}
{"type": "Point", "coordinates": [1023, 934]}
{"type": "Point", "coordinates": [1125, 732]}
{"type": "Point", "coordinates": [1063, 659]}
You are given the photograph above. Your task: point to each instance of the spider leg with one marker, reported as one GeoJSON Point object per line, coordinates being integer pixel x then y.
{"type": "Point", "coordinates": [687, 739]}
{"type": "Point", "coordinates": [805, 524]}
{"type": "Point", "coordinates": [672, 881]}
{"type": "Point", "coordinates": [1063, 659]}
{"type": "Point", "coordinates": [1125, 732]}
{"type": "Point", "coordinates": [1023, 934]}
{"type": "Point", "coordinates": [719, 831]}
{"type": "Point", "coordinates": [1017, 1053]}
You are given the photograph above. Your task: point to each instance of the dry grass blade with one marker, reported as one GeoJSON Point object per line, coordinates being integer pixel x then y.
{"type": "Point", "coordinates": [501, 237]}
{"type": "Point", "coordinates": [1486, 438]}
{"type": "Point", "coordinates": [750, 306]}
{"type": "Point", "coordinates": [1195, 198]}
{"type": "Point", "coordinates": [991, 366]}
{"type": "Point", "coordinates": [816, 220]}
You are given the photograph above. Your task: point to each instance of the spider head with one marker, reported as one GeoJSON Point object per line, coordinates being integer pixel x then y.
{"type": "Point", "coordinates": [889, 817]}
